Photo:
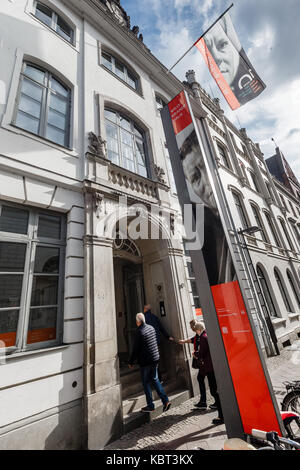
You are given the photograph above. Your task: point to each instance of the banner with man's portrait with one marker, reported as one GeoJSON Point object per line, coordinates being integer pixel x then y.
{"type": "Point", "coordinates": [197, 185]}
{"type": "Point", "coordinates": [229, 64]}
{"type": "Point", "coordinates": [214, 245]}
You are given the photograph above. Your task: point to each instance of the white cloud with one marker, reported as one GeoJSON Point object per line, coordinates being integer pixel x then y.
{"type": "Point", "coordinates": [274, 114]}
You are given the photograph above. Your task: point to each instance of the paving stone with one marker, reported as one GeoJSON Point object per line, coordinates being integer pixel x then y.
{"type": "Point", "coordinates": [184, 427]}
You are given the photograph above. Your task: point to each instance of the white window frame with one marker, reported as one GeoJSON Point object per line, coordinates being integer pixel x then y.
{"type": "Point", "coordinates": [9, 113]}
{"type": "Point", "coordinates": [223, 155]}
{"type": "Point", "coordinates": [127, 70]}
{"type": "Point", "coordinates": [254, 181]}
{"type": "Point", "coordinates": [32, 240]}
{"type": "Point", "coordinates": [144, 140]}
{"type": "Point", "coordinates": [45, 105]}
{"type": "Point", "coordinates": [55, 16]}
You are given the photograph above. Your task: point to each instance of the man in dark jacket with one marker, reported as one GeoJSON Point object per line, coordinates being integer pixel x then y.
{"type": "Point", "coordinates": [145, 352]}
{"type": "Point", "coordinates": [153, 320]}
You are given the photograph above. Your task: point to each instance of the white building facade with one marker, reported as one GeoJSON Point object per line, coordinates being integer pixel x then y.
{"type": "Point", "coordinates": [257, 199]}
{"type": "Point", "coordinates": [75, 76]}
{"type": "Point", "coordinates": [83, 156]}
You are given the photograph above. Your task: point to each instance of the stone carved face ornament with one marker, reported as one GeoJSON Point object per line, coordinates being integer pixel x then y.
{"type": "Point", "coordinates": [160, 173]}
{"type": "Point", "coordinates": [118, 12]}
{"type": "Point", "coordinates": [97, 145]}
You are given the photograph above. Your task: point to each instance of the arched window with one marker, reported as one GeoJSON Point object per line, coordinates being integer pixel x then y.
{"type": "Point", "coordinates": [294, 287]}
{"type": "Point", "coordinates": [283, 202]}
{"type": "Point", "coordinates": [287, 236]}
{"type": "Point", "coordinates": [266, 291]}
{"type": "Point", "coordinates": [125, 244]}
{"type": "Point", "coordinates": [54, 21]}
{"type": "Point", "coordinates": [254, 181]}
{"type": "Point", "coordinates": [126, 143]}
{"type": "Point", "coordinates": [224, 156]}
{"type": "Point", "coordinates": [272, 229]}
{"type": "Point", "coordinates": [160, 103]}
{"type": "Point", "coordinates": [240, 209]}
{"type": "Point", "coordinates": [283, 291]}
{"type": "Point", "coordinates": [269, 188]}
{"type": "Point", "coordinates": [259, 223]}
{"type": "Point", "coordinates": [244, 171]}
{"type": "Point", "coordinates": [119, 69]}
{"type": "Point", "coordinates": [295, 230]}
{"type": "Point", "coordinates": [43, 105]}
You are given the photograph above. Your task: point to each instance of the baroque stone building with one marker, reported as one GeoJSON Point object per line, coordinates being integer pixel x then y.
{"type": "Point", "coordinates": [83, 168]}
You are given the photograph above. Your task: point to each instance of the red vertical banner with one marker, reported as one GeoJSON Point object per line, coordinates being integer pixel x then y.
{"type": "Point", "coordinates": [179, 111]}
{"type": "Point", "coordinates": [229, 64]}
{"type": "Point", "coordinates": [251, 389]}
{"type": "Point", "coordinates": [217, 75]}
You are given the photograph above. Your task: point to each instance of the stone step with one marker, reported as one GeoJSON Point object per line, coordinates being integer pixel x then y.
{"type": "Point", "coordinates": [132, 384]}
{"type": "Point", "coordinates": [135, 401]}
{"type": "Point", "coordinates": [137, 418]}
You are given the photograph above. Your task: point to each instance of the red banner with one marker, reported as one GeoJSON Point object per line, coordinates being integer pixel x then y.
{"type": "Point", "coordinates": [251, 389]}
{"type": "Point", "coordinates": [229, 64]}
{"type": "Point", "coordinates": [217, 75]}
{"type": "Point", "coordinates": [179, 111]}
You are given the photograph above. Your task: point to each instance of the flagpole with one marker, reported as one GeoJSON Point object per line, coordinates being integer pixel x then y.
{"type": "Point", "coordinates": [208, 29]}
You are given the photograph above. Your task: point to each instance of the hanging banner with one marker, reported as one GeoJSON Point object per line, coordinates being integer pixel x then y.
{"type": "Point", "coordinates": [256, 403]}
{"type": "Point", "coordinates": [228, 63]}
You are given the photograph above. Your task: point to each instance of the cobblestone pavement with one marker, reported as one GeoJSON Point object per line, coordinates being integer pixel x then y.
{"type": "Point", "coordinates": [185, 428]}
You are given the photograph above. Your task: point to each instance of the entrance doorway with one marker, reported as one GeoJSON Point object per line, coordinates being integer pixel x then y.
{"type": "Point", "coordinates": [129, 292]}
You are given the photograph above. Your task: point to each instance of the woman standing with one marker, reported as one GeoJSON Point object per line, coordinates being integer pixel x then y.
{"type": "Point", "coordinates": [201, 352]}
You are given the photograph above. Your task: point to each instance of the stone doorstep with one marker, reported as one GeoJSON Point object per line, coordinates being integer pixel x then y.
{"type": "Point", "coordinates": [132, 384]}
{"type": "Point", "coordinates": [137, 418]}
{"type": "Point", "coordinates": [135, 401]}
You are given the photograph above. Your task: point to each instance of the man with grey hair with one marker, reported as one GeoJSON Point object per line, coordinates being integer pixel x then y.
{"type": "Point", "coordinates": [154, 321]}
{"type": "Point", "coordinates": [145, 352]}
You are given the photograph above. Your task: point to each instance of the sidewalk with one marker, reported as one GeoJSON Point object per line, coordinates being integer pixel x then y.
{"type": "Point", "coordinates": [186, 428]}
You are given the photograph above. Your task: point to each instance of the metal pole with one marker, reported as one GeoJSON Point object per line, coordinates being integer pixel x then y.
{"type": "Point", "coordinates": [206, 31]}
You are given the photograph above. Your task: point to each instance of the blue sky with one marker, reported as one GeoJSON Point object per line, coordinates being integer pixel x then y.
{"type": "Point", "coordinates": [270, 34]}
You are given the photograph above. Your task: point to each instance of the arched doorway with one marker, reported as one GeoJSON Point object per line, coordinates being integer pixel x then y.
{"type": "Point", "coordinates": [129, 295]}
{"type": "Point", "coordinates": [145, 271]}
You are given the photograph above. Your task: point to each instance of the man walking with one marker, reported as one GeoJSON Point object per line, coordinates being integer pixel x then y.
{"type": "Point", "coordinates": [145, 352]}
{"type": "Point", "coordinates": [154, 321]}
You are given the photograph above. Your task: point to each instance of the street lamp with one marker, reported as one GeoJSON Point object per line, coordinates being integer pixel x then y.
{"type": "Point", "coordinates": [250, 230]}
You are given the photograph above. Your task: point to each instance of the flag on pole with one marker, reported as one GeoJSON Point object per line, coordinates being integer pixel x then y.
{"type": "Point", "coordinates": [229, 64]}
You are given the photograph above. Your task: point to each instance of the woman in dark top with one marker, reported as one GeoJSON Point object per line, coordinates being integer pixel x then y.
{"type": "Point", "coordinates": [201, 350]}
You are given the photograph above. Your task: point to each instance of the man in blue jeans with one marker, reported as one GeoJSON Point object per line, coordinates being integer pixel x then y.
{"type": "Point", "coordinates": [145, 352]}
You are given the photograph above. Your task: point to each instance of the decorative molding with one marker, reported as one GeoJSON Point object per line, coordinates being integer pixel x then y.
{"type": "Point", "coordinates": [160, 173]}
{"type": "Point", "coordinates": [118, 12]}
{"type": "Point", "coordinates": [98, 200]}
{"type": "Point", "coordinates": [132, 183]}
{"type": "Point", "coordinates": [216, 128]}
{"type": "Point", "coordinates": [91, 240]}
{"type": "Point", "coordinates": [97, 146]}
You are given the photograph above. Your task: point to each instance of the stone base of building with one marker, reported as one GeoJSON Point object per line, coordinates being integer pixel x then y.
{"type": "Point", "coordinates": [103, 420]}
{"type": "Point", "coordinates": [56, 429]}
